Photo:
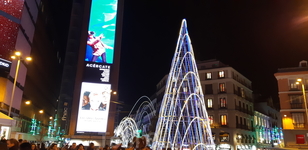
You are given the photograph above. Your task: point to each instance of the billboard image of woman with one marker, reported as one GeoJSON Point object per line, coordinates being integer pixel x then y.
{"type": "Point", "coordinates": [93, 107]}
{"type": "Point", "coordinates": [101, 31]}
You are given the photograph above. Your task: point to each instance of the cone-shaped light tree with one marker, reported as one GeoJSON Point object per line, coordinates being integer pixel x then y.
{"type": "Point", "coordinates": [183, 120]}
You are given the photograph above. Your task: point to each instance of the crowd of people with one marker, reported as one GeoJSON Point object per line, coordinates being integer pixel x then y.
{"type": "Point", "coordinates": [13, 144]}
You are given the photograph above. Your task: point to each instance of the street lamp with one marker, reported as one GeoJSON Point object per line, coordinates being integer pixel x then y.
{"type": "Point", "coordinates": [304, 96]}
{"type": "Point", "coordinates": [19, 58]}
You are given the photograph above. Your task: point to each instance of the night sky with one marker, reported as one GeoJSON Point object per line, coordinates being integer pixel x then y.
{"type": "Point", "coordinates": [254, 37]}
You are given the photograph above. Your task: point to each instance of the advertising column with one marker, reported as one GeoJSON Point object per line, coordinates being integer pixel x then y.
{"type": "Point", "coordinates": [96, 87]}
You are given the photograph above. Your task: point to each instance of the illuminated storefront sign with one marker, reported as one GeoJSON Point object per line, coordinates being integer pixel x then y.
{"type": "Point", "coordinates": [300, 139]}
{"type": "Point", "coordinates": [101, 31]}
{"type": "Point", "coordinates": [5, 132]}
{"type": "Point", "coordinates": [5, 64]}
{"type": "Point", "coordinates": [93, 107]}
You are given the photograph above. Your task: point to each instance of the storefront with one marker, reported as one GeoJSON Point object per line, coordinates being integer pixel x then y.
{"type": "Point", "coordinates": [224, 147]}
{"type": "Point", "coordinates": [6, 124]}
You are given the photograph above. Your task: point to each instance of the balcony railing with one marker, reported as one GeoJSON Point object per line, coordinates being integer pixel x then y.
{"type": "Point", "coordinates": [296, 105]}
{"type": "Point", "coordinates": [299, 125]}
{"type": "Point", "coordinates": [244, 110]}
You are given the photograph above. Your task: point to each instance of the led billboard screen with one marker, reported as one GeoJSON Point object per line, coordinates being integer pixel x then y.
{"type": "Point", "coordinates": [101, 31]}
{"type": "Point", "coordinates": [93, 108]}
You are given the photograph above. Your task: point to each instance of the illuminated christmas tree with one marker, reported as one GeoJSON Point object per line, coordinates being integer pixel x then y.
{"type": "Point", "coordinates": [183, 121]}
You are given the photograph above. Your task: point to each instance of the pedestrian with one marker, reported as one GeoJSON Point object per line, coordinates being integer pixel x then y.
{"type": "Point", "coordinates": [34, 147]}
{"type": "Point", "coordinates": [3, 144]}
{"type": "Point", "coordinates": [91, 146]}
{"type": "Point", "coordinates": [12, 144]}
{"type": "Point", "coordinates": [53, 146]}
{"type": "Point", "coordinates": [43, 147]}
{"type": "Point", "coordinates": [25, 146]}
{"type": "Point", "coordinates": [80, 147]}
{"type": "Point", "coordinates": [73, 146]}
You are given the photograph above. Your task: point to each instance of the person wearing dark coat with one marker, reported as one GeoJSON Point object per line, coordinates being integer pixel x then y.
{"type": "Point", "coordinates": [25, 146]}
{"type": "Point", "coordinates": [12, 144]}
{"type": "Point", "coordinates": [3, 144]}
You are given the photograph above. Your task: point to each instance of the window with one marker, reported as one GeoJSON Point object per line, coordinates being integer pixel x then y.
{"type": "Point", "coordinates": [223, 120]}
{"type": "Point", "coordinates": [209, 103]}
{"type": "Point", "coordinates": [209, 76]}
{"type": "Point", "coordinates": [256, 120]}
{"type": "Point", "coordinates": [221, 74]}
{"type": "Point", "coordinates": [298, 120]}
{"type": "Point", "coordinates": [293, 85]}
{"type": "Point", "coordinates": [208, 89]}
{"type": "Point", "coordinates": [224, 137]}
{"type": "Point", "coordinates": [242, 93]}
{"type": "Point", "coordinates": [222, 87]}
{"type": "Point", "coordinates": [223, 103]}
{"type": "Point", "coordinates": [211, 119]}
{"type": "Point", "coordinates": [296, 101]}
{"type": "Point", "coordinates": [295, 98]}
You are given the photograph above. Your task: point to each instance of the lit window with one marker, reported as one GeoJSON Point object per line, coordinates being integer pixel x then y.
{"type": "Point", "coordinates": [221, 74]}
{"type": "Point", "coordinates": [223, 119]}
{"type": "Point", "coordinates": [211, 119]}
{"type": "Point", "coordinates": [293, 85]}
{"type": "Point", "coordinates": [298, 120]}
{"type": "Point", "coordinates": [242, 93]}
{"type": "Point", "coordinates": [223, 103]}
{"type": "Point", "coordinates": [208, 76]}
{"type": "Point", "coordinates": [209, 103]}
{"type": "Point", "coordinates": [222, 87]}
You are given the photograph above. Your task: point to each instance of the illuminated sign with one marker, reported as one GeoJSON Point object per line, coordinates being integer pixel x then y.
{"type": "Point", "coordinates": [4, 64]}
{"type": "Point", "coordinates": [101, 31]}
{"type": "Point", "coordinates": [96, 73]}
{"type": "Point", "coordinates": [93, 107]}
{"type": "Point", "coordinates": [300, 139]}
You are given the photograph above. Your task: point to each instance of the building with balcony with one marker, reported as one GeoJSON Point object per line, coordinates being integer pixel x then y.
{"type": "Point", "coordinates": [229, 101]}
{"type": "Point", "coordinates": [267, 123]}
{"type": "Point", "coordinates": [293, 108]}
{"type": "Point", "coordinates": [237, 121]}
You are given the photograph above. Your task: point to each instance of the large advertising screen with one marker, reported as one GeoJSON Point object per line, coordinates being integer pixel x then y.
{"type": "Point", "coordinates": [93, 107]}
{"type": "Point", "coordinates": [101, 31]}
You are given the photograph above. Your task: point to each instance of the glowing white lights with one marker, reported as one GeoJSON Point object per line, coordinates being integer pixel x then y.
{"type": "Point", "coordinates": [183, 121]}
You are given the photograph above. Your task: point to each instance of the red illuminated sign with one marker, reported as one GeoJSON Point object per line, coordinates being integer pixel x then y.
{"type": "Point", "coordinates": [300, 139]}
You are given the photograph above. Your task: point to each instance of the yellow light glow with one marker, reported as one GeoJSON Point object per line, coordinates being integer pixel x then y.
{"type": "Point", "coordinates": [114, 93]}
{"type": "Point", "coordinates": [50, 118]}
{"type": "Point", "coordinates": [296, 82]}
{"type": "Point", "coordinates": [287, 123]}
{"type": "Point", "coordinates": [41, 111]}
{"type": "Point", "coordinates": [17, 53]}
{"type": "Point", "coordinates": [285, 115]}
{"type": "Point", "coordinates": [13, 57]}
{"type": "Point", "coordinates": [29, 58]}
{"type": "Point", "coordinates": [28, 102]}
{"type": "Point", "coordinates": [299, 80]}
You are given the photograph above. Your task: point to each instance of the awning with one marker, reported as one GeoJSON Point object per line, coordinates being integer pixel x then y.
{"type": "Point", "coordinates": [5, 120]}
